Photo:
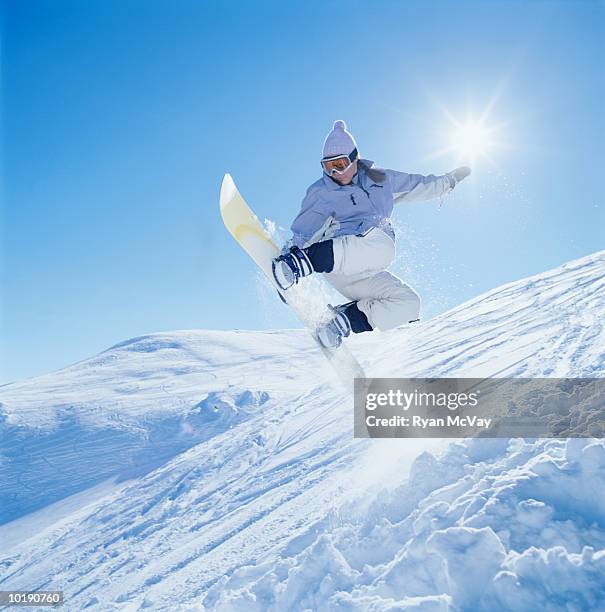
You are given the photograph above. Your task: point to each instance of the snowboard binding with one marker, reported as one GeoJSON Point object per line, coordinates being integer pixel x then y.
{"type": "Point", "coordinates": [332, 332]}
{"type": "Point", "coordinates": [290, 267]}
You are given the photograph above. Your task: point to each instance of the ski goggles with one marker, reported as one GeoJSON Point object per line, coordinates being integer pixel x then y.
{"type": "Point", "coordinates": [338, 164]}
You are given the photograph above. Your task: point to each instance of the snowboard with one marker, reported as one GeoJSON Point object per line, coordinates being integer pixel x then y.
{"type": "Point", "coordinates": [303, 298]}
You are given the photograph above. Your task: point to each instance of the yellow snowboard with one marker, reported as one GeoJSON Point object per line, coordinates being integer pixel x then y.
{"type": "Point", "coordinates": [248, 231]}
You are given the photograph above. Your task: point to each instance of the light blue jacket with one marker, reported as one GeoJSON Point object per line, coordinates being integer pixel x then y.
{"type": "Point", "coordinates": [329, 209]}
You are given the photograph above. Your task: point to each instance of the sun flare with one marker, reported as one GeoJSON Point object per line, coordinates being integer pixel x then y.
{"type": "Point", "coordinates": [473, 137]}
{"type": "Point", "coordinates": [470, 139]}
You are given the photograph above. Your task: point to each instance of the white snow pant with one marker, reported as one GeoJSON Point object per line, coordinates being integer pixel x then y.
{"type": "Point", "coordinates": [359, 274]}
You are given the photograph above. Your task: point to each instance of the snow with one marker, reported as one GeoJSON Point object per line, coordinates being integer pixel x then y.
{"type": "Point", "coordinates": [211, 470]}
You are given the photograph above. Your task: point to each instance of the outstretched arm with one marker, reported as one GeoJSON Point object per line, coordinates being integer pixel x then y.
{"type": "Point", "coordinates": [415, 187]}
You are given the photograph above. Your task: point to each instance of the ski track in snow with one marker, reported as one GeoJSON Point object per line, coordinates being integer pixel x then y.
{"type": "Point", "coordinates": [217, 470]}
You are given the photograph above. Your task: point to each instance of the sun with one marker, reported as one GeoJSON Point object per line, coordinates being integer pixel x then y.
{"type": "Point", "coordinates": [470, 139]}
{"type": "Point", "coordinates": [473, 138]}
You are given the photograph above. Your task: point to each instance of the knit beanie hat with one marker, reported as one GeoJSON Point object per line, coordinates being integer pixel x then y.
{"type": "Point", "coordinates": [339, 141]}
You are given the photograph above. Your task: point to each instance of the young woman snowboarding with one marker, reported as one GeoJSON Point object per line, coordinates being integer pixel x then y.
{"type": "Point", "coordinates": [344, 230]}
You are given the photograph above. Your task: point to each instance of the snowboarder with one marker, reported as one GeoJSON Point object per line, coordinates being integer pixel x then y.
{"type": "Point", "coordinates": [344, 231]}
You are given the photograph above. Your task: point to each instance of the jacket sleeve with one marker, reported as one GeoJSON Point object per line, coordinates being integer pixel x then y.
{"type": "Point", "coordinates": [311, 218]}
{"type": "Point", "coordinates": [415, 187]}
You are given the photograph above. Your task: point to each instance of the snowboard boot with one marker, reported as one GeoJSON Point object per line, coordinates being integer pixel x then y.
{"type": "Point", "coordinates": [296, 263]}
{"type": "Point", "coordinates": [342, 320]}
{"type": "Point", "coordinates": [290, 267]}
{"type": "Point", "coordinates": [331, 332]}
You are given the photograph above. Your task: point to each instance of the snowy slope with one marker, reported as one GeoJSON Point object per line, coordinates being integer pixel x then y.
{"type": "Point", "coordinates": [217, 470]}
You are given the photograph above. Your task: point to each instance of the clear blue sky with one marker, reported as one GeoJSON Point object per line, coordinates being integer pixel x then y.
{"type": "Point", "coordinates": [120, 117]}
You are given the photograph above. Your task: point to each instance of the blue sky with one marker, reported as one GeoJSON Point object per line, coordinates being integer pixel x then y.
{"type": "Point", "coordinates": [120, 118]}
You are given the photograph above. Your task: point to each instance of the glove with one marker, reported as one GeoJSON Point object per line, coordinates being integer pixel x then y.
{"type": "Point", "coordinates": [458, 174]}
